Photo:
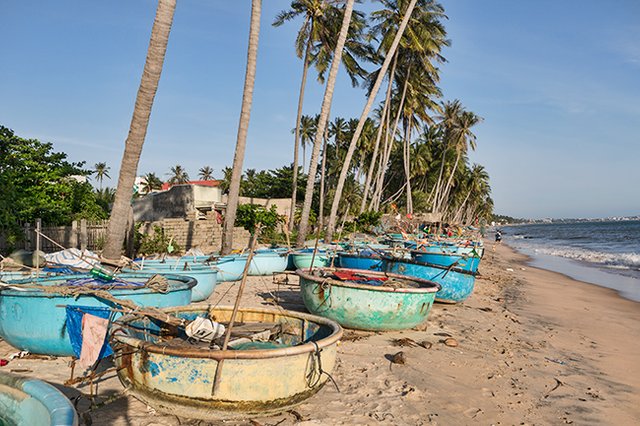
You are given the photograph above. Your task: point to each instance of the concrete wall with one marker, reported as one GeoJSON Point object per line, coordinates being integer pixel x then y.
{"type": "Point", "coordinates": [181, 201]}
{"type": "Point", "coordinates": [283, 205]}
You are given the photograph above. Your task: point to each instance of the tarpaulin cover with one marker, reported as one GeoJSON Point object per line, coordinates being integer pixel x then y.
{"type": "Point", "coordinates": [74, 327]}
{"type": "Point", "coordinates": [359, 278]}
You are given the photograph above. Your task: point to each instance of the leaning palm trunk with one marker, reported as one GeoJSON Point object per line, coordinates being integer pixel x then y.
{"type": "Point", "coordinates": [323, 174]}
{"type": "Point", "coordinates": [322, 122]}
{"type": "Point", "coordinates": [243, 127]}
{"type": "Point", "coordinates": [447, 187]}
{"type": "Point", "coordinates": [382, 165]}
{"type": "Point", "coordinates": [390, 145]}
{"type": "Point", "coordinates": [436, 193]}
{"type": "Point", "coordinates": [296, 142]}
{"type": "Point", "coordinates": [407, 170]}
{"type": "Point", "coordinates": [356, 135]}
{"type": "Point", "coordinates": [385, 111]}
{"type": "Point", "coordinates": [458, 214]}
{"type": "Point", "coordinates": [138, 129]}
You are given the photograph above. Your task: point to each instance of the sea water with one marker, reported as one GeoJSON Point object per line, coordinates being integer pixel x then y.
{"type": "Point", "coordinates": [601, 253]}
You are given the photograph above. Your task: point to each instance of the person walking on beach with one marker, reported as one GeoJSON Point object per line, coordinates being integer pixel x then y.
{"type": "Point", "coordinates": [498, 239]}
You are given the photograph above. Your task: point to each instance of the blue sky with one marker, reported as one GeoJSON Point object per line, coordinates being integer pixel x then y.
{"type": "Point", "coordinates": [557, 82]}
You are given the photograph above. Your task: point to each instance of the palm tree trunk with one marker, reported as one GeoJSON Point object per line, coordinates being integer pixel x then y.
{"type": "Point", "coordinates": [117, 227]}
{"type": "Point", "coordinates": [243, 127]}
{"type": "Point", "coordinates": [352, 146]}
{"type": "Point", "coordinates": [407, 165]}
{"type": "Point", "coordinates": [303, 84]}
{"type": "Point", "coordinates": [322, 122]}
{"type": "Point", "coordinates": [384, 159]}
{"type": "Point", "coordinates": [437, 188]}
{"type": "Point", "coordinates": [445, 193]}
{"type": "Point", "coordinates": [323, 175]}
{"type": "Point", "coordinates": [385, 110]}
{"type": "Point", "coordinates": [461, 208]}
{"type": "Point", "coordinates": [390, 145]}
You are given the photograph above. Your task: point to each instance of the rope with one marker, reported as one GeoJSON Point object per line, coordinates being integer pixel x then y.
{"type": "Point", "coordinates": [316, 365]}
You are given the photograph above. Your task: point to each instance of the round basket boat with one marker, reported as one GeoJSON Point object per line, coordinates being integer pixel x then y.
{"type": "Point", "coordinates": [206, 276]}
{"type": "Point", "coordinates": [179, 379]}
{"type": "Point", "coordinates": [302, 258]}
{"type": "Point", "coordinates": [354, 304]}
{"type": "Point", "coordinates": [463, 261]}
{"type": "Point", "coordinates": [25, 401]}
{"type": "Point", "coordinates": [456, 284]}
{"type": "Point", "coordinates": [33, 314]}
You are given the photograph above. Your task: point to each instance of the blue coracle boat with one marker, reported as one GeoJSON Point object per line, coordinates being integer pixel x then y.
{"type": "Point", "coordinates": [25, 401]}
{"type": "Point", "coordinates": [34, 320]}
{"type": "Point", "coordinates": [368, 260]}
{"type": "Point", "coordinates": [205, 275]}
{"type": "Point", "coordinates": [462, 261]}
{"type": "Point", "coordinates": [457, 284]}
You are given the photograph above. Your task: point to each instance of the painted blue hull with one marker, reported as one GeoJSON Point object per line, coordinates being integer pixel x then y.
{"type": "Point", "coordinates": [34, 321]}
{"type": "Point", "coordinates": [356, 261]}
{"type": "Point", "coordinates": [465, 262]}
{"type": "Point", "coordinates": [206, 277]}
{"type": "Point", "coordinates": [457, 285]}
{"type": "Point", "coordinates": [25, 401]}
{"type": "Point", "coordinates": [230, 268]}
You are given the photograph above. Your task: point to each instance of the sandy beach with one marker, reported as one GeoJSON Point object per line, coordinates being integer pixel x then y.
{"type": "Point", "coordinates": [533, 347]}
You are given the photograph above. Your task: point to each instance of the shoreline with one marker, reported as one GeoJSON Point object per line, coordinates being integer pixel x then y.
{"type": "Point", "coordinates": [538, 262]}
{"type": "Point", "coordinates": [534, 347]}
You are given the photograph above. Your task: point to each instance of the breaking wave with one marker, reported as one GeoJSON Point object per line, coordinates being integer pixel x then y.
{"type": "Point", "coordinates": [611, 260]}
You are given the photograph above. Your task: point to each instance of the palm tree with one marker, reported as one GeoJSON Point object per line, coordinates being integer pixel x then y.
{"type": "Point", "coordinates": [322, 122]}
{"type": "Point", "coordinates": [178, 175]}
{"type": "Point", "coordinates": [101, 170]}
{"type": "Point", "coordinates": [243, 127]}
{"type": "Point", "coordinates": [138, 129]}
{"type": "Point", "coordinates": [450, 112]}
{"type": "Point", "coordinates": [152, 182]}
{"type": "Point", "coordinates": [206, 173]}
{"type": "Point", "coordinates": [462, 138]}
{"type": "Point", "coordinates": [308, 127]}
{"type": "Point", "coordinates": [374, 92]}
{"type": "Point", "coordinates": [314, 44]}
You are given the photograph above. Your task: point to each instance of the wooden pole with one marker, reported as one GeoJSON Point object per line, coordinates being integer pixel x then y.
{"type": "Point", "coordinates": [236, 306]}
{"type": "Point", "coordinates": [37, 252]}
{"type": "Point", "coordinates": [27, 236]}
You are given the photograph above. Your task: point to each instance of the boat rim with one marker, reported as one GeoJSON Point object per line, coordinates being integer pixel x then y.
{"type": "Point", "coordinates": [433, 287]}
{"type": "Point", "coordinates": [466, 255]}
{"type": "Point", "coordinates": [120, 335]}
{"type": "Point", "coordinates": [13, 288]}
{"type": "Point", "coordinates": [59, 407]}
{"type": "Point", "coordinates": [432, 265]}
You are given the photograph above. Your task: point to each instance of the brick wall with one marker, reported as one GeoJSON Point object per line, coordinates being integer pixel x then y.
{"type": "Point", "coordinates": [203, 234]}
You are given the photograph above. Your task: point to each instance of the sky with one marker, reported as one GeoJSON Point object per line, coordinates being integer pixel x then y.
{"type": "Point", "coordinates": [556, 82]}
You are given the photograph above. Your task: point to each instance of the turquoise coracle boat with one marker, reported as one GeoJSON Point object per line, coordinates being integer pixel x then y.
{"type": "Point", "coordinates": [457, 284]}
{"type": "Point", "coordinates": [25, 401]}
{"type": "Point", "coordinates": [268, 377]}
{"type": "Point", "coordinates": [33, 319]}
{"type": "Point", "coordinates": [367, 300]}
{"type": "Point", "coordinates": [302, 258]}
{"type": "Point", "coordinates": [466, 262]}
{"type": "Point", "coordinates": [206, 276]}
{"type": "Point", "coordinates": [368, 261]}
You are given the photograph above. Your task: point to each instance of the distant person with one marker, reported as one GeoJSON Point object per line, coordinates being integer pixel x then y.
{"type": "Point", "coordinates": [498, 239]}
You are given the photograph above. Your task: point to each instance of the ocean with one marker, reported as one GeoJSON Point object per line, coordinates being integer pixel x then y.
{"type": "Point", "coordinates": [602, 253]}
